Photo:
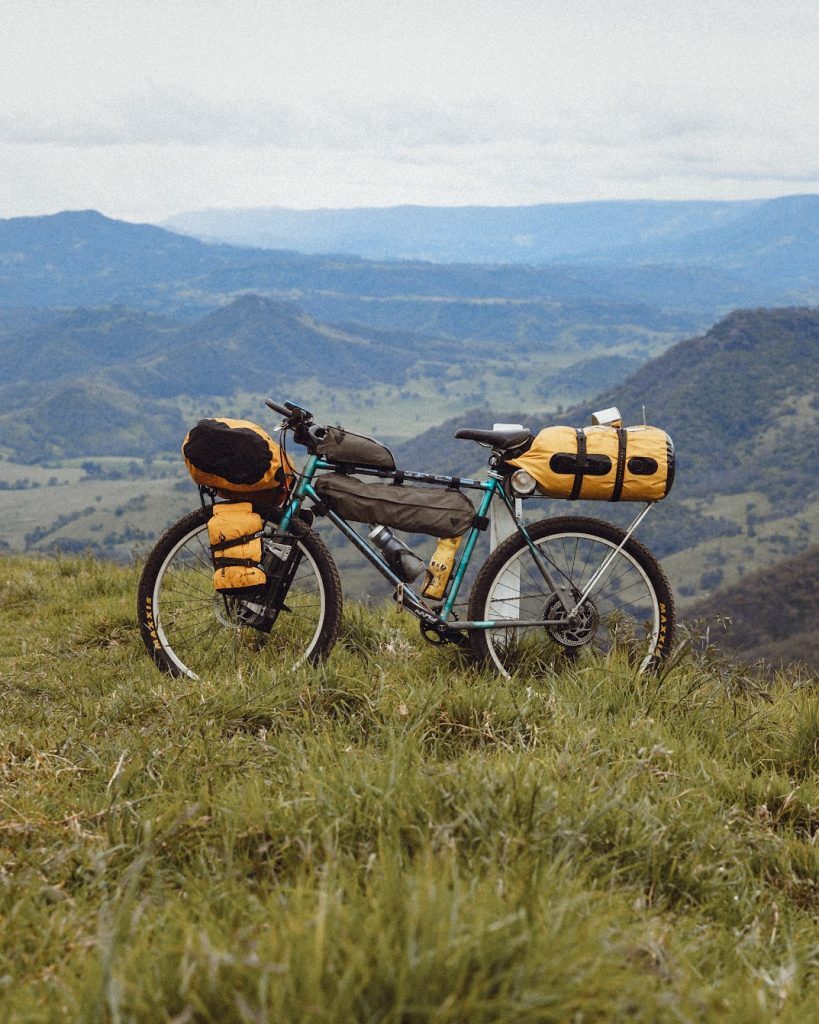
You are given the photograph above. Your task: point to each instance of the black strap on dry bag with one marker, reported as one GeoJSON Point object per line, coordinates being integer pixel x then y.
{"type": "Point", "coordinates": [580, 465]}
{"type": "Point", "coordinates": [621, 464]}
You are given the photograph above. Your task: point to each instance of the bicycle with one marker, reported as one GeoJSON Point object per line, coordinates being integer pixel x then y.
{"type": "Point", "coordinates": [560, 587]}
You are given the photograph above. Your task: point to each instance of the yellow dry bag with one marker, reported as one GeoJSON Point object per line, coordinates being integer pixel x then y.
{"type": "Point", "coordinates": [237, 457]}
{"type": "Point", "coordinates": [601, 463]}
{"type": "Point", "coordinates": [234, 531]}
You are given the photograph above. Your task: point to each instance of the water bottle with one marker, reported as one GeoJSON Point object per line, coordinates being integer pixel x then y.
{"type": "Point", "coordinates": [440, 567]}
{"type": "Point", "coordinates": [403, 562]}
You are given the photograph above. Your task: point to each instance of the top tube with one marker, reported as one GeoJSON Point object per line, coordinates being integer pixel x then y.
{"type": "Point", "coordinates": [402, 474]}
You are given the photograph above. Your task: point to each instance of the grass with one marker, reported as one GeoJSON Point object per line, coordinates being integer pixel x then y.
{"type": "Point", "coordinates": [395, 836]}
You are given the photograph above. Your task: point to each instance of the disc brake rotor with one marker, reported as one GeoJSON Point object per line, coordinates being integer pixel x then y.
{"type": "Point", "coordinates": [571, 632]}
{"type": "Point", "coordinates": [225, 611]}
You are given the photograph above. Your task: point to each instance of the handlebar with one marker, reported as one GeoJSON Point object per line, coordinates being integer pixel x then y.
{"type": "Point", "coordinates": [300, 421]}
{"type": "Point", "coordinates": [281, 409]}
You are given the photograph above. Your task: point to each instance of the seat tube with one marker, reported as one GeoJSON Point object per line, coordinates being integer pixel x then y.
{"type": "Point", "coordinates": [489, 491]}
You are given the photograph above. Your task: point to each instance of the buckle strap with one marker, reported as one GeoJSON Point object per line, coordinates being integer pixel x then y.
{"type": "Point", "coordinates": [222, 545]}
{"type": "Point", "coordinates": [621, 464]}
{"type": "Point", "coordinates": [224, 563]}
{"type": "Point", "coordinates": [580, 465]}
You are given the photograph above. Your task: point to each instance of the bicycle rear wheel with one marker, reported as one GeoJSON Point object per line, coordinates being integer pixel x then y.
{"type": "Point", "coordinates": [192, 630]}
{"type": "Point", "coordinates": [630, 608]}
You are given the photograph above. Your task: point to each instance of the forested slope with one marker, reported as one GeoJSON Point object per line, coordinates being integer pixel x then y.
{"type": "Point", "coordinates": [772, 614]}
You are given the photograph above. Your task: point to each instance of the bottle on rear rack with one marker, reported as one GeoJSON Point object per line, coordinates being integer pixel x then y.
{"type": "Point", "coordinates": [440, 567]}
{"type": "Point", "coordinates": [401, 559]}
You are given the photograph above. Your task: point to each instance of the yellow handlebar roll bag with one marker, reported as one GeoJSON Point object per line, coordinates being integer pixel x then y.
{"type": "Point", "coordinates": [601, 463]}
{"type": "Point", "coordinates": [234, 531]}
{"type": "Point", "coordinates": [236, 457]}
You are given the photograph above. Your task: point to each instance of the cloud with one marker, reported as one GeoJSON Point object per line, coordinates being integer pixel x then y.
{"type": "Point", "coordinates": [171, 115]}
{"type": "Point", "coordinates": [185, 150]}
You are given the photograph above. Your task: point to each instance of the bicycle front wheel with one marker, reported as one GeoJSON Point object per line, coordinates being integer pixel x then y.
{"type": "Point", "coordinates": [192, 630]}
{"type": "Point", "coordinates": [629, 607]}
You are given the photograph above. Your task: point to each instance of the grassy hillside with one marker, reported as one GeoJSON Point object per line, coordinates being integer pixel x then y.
{"type": "Point", "coordinates": [772, 612]}
{"type": "Point", "coordinates": [393, 837]}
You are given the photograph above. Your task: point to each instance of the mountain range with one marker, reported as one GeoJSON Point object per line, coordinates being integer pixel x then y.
{"type": "Point", "coordinates": [761, 238]}
{"type": "Point", "coordinates": [85, 259]}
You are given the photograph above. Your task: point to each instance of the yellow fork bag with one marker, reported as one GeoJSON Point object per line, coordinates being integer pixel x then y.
{"type": "Point", "coordinates": [601, 463]}
{"type": "Point", "coordinates": [234, 531]}
{"type": "Point", "coordinates": [235, 458]}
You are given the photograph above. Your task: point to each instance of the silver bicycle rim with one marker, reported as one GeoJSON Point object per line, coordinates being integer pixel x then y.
{"type": "Point", "coordinates": [623, 601]}
{"type": "Point", "coordinates": [195, 625]}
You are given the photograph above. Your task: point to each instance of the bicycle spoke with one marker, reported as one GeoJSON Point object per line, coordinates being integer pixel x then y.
{"type": "Point", "coordinates": [207, 631]}
{"type": "Point", "coordinates": [620, 611]}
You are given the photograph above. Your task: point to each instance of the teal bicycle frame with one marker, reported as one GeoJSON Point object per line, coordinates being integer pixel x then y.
{"type": "Point", "coordinates": [406, 596]}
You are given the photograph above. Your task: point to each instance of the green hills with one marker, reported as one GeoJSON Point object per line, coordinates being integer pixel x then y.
{"type": "Point", "coordinates": [95, 399]}
{"type": "Point", "coordinates": [77, 363]}
{"type": "Point", "coordinates": [740, 403]}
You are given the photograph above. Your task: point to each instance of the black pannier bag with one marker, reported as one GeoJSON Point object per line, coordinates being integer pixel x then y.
{"type": "Point", "coordinates": [438, 511]}
{"type": "Point", "coordinates": [339, 445]}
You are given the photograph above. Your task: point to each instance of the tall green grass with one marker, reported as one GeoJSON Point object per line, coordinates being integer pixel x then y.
{"type": "Point", "coordinates": [395, 836]}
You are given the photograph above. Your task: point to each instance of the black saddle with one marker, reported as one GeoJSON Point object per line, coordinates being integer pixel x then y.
{"type": "Point", "coordinates": [503, 440]}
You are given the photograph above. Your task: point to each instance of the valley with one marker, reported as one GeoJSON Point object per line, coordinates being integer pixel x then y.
{"type": "Point", "coordinates": [95, 399]}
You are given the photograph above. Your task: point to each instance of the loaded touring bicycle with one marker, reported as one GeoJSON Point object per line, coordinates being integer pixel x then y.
{"type": "Point", "coordinates": [245, 581]}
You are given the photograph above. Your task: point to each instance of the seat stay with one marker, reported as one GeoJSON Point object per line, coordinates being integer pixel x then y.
{"type": "Point", "coordinates": [539, 560]}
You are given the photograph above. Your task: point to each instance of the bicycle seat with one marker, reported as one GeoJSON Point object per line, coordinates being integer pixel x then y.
{"type": "Point", "coordinates": [501, 439]}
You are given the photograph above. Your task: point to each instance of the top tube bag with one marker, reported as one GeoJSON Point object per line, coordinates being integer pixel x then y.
{"type": "Point", "coordinates": [340, 445]}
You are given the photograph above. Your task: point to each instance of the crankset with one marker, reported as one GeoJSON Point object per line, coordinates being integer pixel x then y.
{"type": "Point", "coordinates": [439, 633]}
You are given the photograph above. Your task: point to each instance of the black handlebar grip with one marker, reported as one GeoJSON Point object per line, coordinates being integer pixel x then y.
{"type": "Point", "coordinates": [276, 407]}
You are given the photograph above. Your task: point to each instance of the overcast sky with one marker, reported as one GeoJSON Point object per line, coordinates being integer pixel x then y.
{"type": "Point", "coordinates": [142, 109]}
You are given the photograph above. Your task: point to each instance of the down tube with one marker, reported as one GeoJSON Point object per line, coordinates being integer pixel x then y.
{"type": "Point", "coordinates": [489, 489]}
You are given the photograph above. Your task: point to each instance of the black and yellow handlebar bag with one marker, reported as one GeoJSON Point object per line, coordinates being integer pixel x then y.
{"type": "Point", "coordinates": [601, 463]}
{"type": "Point", "coordinates": [237, 458]}
{"type": "Point", "coordinates": [234, 532]}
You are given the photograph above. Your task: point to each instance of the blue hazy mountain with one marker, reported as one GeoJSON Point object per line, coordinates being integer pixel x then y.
{"type": "Point", "coordinates": [86, 259]}
{"type": "Point", "coordinates": [767, 239]}
{"type": "Point", "coordinates": [544, 233]}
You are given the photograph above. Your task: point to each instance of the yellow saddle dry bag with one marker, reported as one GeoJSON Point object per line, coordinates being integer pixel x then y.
{"type": "Point", "coordinates": [237, 457]}
{"type": "Point", "coordinates": [234, 531]}
{"type": "Point", "coordinates": [601, 463]}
